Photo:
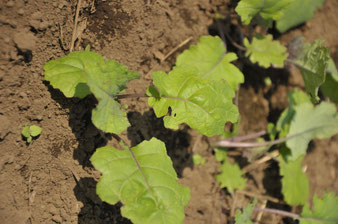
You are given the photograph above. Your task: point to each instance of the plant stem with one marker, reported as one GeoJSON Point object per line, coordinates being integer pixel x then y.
{"type": "Point", "coordinates": [234, 43]}
{"type": "Point", "coordinates": [279, 212]}
{"type": "Point", "coordinates": [285, 213]}
{"type": "Point", "coordinates": [75, 25]}
{"type": "Point", "coordinates": [231, 144]}
{"type": "Point", "coordinates": [132, 95]}
{"type": "Point", "coordinates": [247, 137]}
{"type": "Point", "coordinates": [221, 33]}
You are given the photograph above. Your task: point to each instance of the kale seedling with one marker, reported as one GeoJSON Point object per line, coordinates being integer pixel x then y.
{"type": "Point", "coordinates": [30, 131]}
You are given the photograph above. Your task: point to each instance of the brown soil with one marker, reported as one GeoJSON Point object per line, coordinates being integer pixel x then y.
{"type": "Point", "coordinates": [51, 179]}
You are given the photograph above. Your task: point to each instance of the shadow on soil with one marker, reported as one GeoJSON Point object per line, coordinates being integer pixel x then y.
{"type": "Point", "coordinates": [143, 127]}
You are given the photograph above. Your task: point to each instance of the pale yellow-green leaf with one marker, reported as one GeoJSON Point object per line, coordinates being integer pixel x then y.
{"type": "Point", "coordinates": [145, 183]}
{"type": "Point", "coordinates": [265, 51]}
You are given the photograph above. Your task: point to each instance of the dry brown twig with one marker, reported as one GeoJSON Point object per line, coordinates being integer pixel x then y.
{"type": "Point", "coordinates": [162, 59]}
{"type": "Point", "coordinates": [260, 214]}
{"type": "Point", "coordinates": [263, 197]}
{"type": "Point", "coordinates": [262, 160]}
{"type": "Point", "coordinates": [75, 25]}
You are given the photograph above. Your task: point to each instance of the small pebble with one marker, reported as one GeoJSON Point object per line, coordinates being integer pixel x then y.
{"type": "Point", "coordinates": [21, 12]}
{"type": "Point", "coordinates": [7, 40]}
{"type": "Point", "coordinates": [39, 118]}
{"type": "Point", "coordinates": [57, 218]}
{"type": "Point", "coordinates": [22, 95]}
{"type": "Point", "coordinates": [10, 3]}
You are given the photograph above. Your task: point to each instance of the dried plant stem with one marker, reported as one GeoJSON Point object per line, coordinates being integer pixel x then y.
{"type": "Point", "coordinates": [176, 48]}
{"type": "Point", "coordinates": [260, 214]}
{"type": "Point", "coordinates": [286, 214]}
{"type": "Point", "coordinates": [264, 159]}
{"type": "Point", "coordinates": [263, 197]}
{"type": "Point", "coordinates": [75, 25]}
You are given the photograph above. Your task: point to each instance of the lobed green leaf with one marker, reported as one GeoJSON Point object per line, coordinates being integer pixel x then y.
{"type": "Point", "coordinates": [204, 105]}
{"type": "Point", "coordinates": [323, 209]}
{"type": "Point", "coordinates": [265, 51]}
{"type": "Point", "coordinates": [267, 9]}
{"type": "Point", "coordinates": [295, 184]}
{"type": "Point", "coordinates": [145, 183]}
{"type": "Point", "coordinates": [244, 216]}
{"type": "Point", "coordinates": [210, 59]}
{"type": "Point", "coordinates": [231, 176]}
{"type": "Point", "coordinates": [83, 72]}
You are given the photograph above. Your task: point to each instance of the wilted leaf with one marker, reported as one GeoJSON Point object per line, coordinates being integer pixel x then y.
{"type": "Point", "coordinates": [312, 64]}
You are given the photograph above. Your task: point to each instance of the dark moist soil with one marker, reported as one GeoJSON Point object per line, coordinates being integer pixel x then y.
{"type": "Point", "coordinates": [51, 179]}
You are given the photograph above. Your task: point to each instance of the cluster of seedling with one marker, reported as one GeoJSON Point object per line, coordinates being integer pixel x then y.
{"type": "Point", "coordinates": [199, 92]}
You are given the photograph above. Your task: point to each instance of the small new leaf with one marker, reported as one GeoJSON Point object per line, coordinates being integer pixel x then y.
{"type": "Point", "coordinates": [31, 131]}
{"type": "Point", "coordinates": [145, 183]}
{"type": "Point", "coordinates": [265, 51]}
{"type": "Point", "coordinates": [244, 216]}
{"type": "Point", "coordinates": [198, 159]}
{"type": "Point", "coordinates": [84, 72]}
{"type": "Point", "coordinates": [312, 64]}
{"type": "Point", "coordinates": [220, 155]}
{"type": "Point", "coordinates": [323, 209]}
{"type": "Point", "coordinates": [311, 122]}
{"type": "Point", "coordinates": [297, 13]}
{"type": "Point", "coordinates": [209, 57]}
{"type": "Point", "coordinates": [295, 184]}
{"type": "Point", "coordinates": [231, 176]}
{"type": "Point", "coordinates": [267, 9]}
{"type": "Point", "coordinates": [204, 105]}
